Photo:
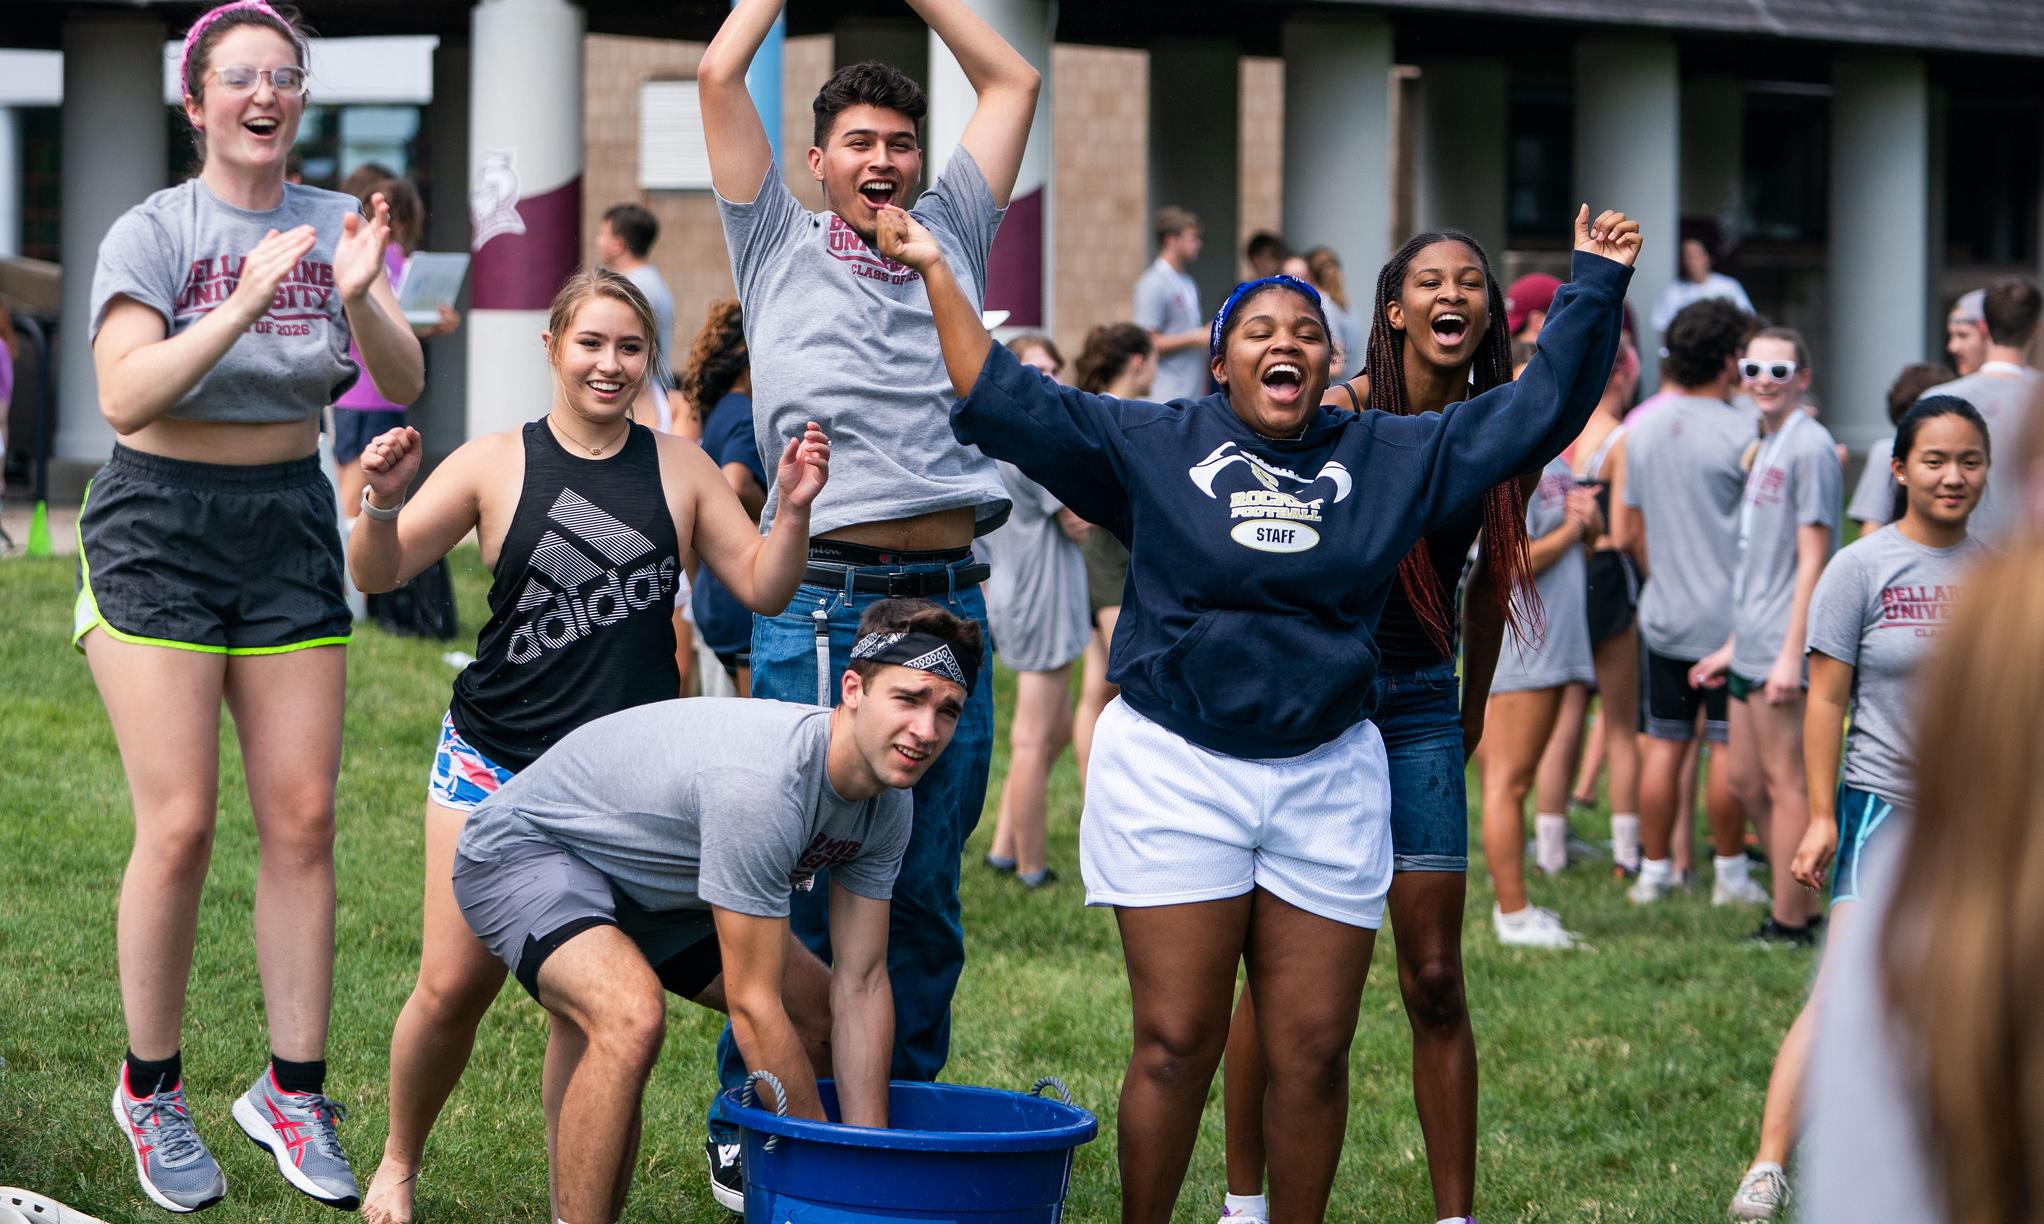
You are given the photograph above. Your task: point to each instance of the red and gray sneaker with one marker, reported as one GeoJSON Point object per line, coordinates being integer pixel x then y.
{"type": "Point", "coordinates": [175, 1169]}
{"type": "Point", "coordinates": [298, 1131]}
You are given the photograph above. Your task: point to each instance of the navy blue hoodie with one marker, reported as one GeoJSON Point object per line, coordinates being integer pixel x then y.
{"type": "Point", "coordinates": [1258, 568]}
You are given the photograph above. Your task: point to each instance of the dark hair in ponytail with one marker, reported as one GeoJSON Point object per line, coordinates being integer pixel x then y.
{"type": "Point", "coordinates": [1930, 408]}
{"type": "Point", "coordinates": [1506, 553]}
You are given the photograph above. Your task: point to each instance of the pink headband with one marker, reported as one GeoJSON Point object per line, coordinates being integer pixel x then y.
{"type": "Point", "coordinates": [184, 59]}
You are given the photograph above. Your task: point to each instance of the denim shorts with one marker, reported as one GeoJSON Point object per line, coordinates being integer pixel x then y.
{"type": "Point", "coordinates": [1419, 714]}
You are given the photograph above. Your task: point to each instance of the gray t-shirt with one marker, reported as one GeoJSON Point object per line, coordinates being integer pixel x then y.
{"type": "Point", "coordinates": [180, 252]}
{"type": "Point", "coordinates": [843, 336]}
{"type": "Point", "coordinates": [661, 299]}
{"type": "Point", "coordinates": [2007, 401]}
{"type": "Point", "coordinates": [1880, 606]}
{"type": "Point", "coordinates": [1795, 483]}
{"type": "Point", "coordinates": [1684, 477]}
{"type": "Point", "coordinates": [698, 802]}
{"type": "Point", "coordinates": [1167, 302]}
{"type": "Point", "coordinates": [1036, 597]}
{"type": "Point", "coordinates": [1873, 498]}
{"type": "Point", "coordinates": [1561, 654]}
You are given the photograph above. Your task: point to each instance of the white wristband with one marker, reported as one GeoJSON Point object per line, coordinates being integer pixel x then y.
{"type": "Point", "coordinates": [378, 513]}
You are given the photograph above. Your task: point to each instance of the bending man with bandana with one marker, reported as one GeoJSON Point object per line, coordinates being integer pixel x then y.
{"type": "Point", "coordinates": [658, 849]}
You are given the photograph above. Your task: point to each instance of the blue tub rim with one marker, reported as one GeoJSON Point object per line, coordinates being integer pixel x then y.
{"type": "Point", "coordinates": [1082, 1127]}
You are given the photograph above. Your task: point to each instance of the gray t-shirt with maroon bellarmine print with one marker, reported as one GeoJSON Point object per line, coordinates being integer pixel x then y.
{"type": "Point", "coordinates": [180, 252]}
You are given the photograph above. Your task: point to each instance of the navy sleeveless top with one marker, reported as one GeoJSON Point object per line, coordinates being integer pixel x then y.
{"type": "Point", "coordinates": [582, 603]}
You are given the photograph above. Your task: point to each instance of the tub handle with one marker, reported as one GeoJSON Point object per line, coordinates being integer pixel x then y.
{"type": "Point", "coordinates": [1051, 1081]}
{"type": "Point", "coordinates": [780, 1099]}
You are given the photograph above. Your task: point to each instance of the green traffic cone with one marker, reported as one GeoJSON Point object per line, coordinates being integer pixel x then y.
{"type": "Point", "coordinates": [39, 531]}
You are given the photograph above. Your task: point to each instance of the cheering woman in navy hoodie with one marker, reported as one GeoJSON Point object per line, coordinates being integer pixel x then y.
{"type": "Point", "coordinates": [1238, 805]}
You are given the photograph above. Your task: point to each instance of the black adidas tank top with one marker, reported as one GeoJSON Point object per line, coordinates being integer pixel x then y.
{"type": "Point", "coordinates": [582, 604]}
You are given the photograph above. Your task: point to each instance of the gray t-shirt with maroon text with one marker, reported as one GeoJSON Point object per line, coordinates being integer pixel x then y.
{"type": "Point", "coordinates": [705, 801]}
{"type": "Point", "coordinates": [1795, 483]}
{"type": "Point", "coordinates": [180, 252]}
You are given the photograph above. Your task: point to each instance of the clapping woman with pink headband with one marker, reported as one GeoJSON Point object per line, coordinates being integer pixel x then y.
{"type": "Point", "coordinates": [210, 570]}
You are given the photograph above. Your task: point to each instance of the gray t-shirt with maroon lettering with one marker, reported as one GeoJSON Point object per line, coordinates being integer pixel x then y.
{"type": "Point", "coordinates": [1795, 483]}
{"type": "Point", "coordinates": [180, 252]}
{"type": "Point", "coordinates": [843, 336]}
{"type": "Point", "coordinates": [705, 801]}
{"type": "Point", "coordinates": [1879, 607]}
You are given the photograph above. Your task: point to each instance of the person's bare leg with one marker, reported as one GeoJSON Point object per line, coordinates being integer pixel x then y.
{"type": "Point", "coordinates": [1181, 972]}
{"type": "Point", "coordinates": [1426, 928]}
{"type": "Point", "coordinates": [1685, 801]}
{"type": "Point", "coordinates": [1785, 1086]}
{"type": "Point", "coordinates": [1739, 761]}
{"type": "Point", "coordinates": [1037, 734]}
{"type": "Point", "coordinates": [1557, 766]}
{"type": "Point", "coordinates": [1001, 851]}
{"type": "Point", "coordinates": [685, 653]}
{"type": "Point", "coordinates": [436, 1029]}
{"type": "Point", "coordinates": [1780, 733]}
{"type": "Point", "coordinates": [1660, 782]}
{"type": "Point", "coordinates": [1584, 790]}
{"type": "Point", "coordinates": [287, 715]}
{"type": "Point", "coordinates": [1515, 731]}
{"type": "Point", "coordinates": [1243, 1084]}
{"type": "Point", "coordinates": [564, 1048]}
{"type": "Point", "coordinates": [1309, 971]}
{"type": "Point", "coordinates": [600, 983]}
{"type": "Point", "coordinates": [1094, 690]}
{"type": "Point", "coordinates": [1617, 663]}
{"type": "Point", "coordinates": [1727, 818]}
{"type": "Point", "coordinates": [165, 708]}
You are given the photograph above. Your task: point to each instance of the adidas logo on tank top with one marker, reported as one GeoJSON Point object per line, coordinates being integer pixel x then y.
{"type": "Point", "coordinates": [570, 593]}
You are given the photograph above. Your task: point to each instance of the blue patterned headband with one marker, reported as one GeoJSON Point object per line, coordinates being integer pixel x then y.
{"type": "Point", "coordinates": [1247, 289]}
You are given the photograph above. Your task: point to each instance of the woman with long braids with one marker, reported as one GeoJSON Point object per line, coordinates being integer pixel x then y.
{"type": "Point", "coordinates": [209, 570]}
{"type": "Point", "coordinates": [1432, 343]}
{"type": "Point", "coordinates": [1241, 810]}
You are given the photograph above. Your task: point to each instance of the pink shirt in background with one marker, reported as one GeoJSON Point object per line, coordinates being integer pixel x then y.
{"type": "Point", "coordinates": [362, 397]}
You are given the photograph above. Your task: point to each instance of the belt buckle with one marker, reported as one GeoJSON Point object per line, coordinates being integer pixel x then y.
{"type": "Point", "coordinates": [904, 585]}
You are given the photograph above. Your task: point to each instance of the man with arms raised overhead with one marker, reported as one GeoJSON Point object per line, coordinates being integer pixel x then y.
{"type": "Point", "coordinates": [839, 334]}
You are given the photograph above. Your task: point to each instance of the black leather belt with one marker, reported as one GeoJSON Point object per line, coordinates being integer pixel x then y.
{"type": "Point", "coordinates": [916, 584]}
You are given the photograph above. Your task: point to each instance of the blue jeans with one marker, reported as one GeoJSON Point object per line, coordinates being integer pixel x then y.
{"type": "Point", "coordinates": [926, 939]}
{"type": "Point", "coordinates": [1420, 717]}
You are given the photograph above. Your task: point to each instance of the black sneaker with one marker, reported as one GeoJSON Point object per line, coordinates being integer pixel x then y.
{"type": "Point", "coordinates": [727, 1174]}
{"type": "Point", "coordinates": [1772, 932]}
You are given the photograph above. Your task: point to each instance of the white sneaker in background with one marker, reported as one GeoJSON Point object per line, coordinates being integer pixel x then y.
{"type": "Point", "coordinates": [1762, 1193]}
{"type": "Point", "coordinates": [1732, 883]}
{"type": "Point", "coordinates": [1656, 877]}
{"type": "Point", "coordinates": [1531, 927]}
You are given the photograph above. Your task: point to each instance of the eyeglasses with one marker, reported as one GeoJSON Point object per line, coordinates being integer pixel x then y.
{"type": "Point", "coordinates": [1779, 371]}
{"type": "Point", "coordinates": [288, 81]}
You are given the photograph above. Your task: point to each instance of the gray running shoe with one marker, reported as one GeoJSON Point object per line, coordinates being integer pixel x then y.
{"type": "Point", "coordinates": [298, 1131]}
{"type": "Point", "coordinates": [1762, 1193]}
{"type": "Point", "coordinates": [172, 1163]}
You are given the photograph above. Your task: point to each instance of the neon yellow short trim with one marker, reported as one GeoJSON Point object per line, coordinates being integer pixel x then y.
{"type": "Point", "coordinates": [85, 615]}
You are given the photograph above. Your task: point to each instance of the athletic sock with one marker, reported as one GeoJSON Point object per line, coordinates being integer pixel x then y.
{"type": "Point", "coordinates": [1625, 839]}
{"type": "Point", "coordinates": [1550, 842]}
{"type": "Point", "coordinates": [1656, 871]}
{"type": "Point", "coordinates": [147, 1076]}
{"type": "Point", "coordinates": [299, 1076]}
{"type": "Point", "coordinates": [1732, 870]}
{"type": "Point", "coordinates": [1254, 1206]}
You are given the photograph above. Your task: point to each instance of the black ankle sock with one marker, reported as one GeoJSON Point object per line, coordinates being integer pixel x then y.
{"type": "Point", "coordinates": [147, 1077]}
{"type": "Point", "coordinates": [299, 1076]}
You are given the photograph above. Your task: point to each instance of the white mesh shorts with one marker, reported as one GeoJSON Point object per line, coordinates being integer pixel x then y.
{"type": "Point", "coordinates": [1168, 822]}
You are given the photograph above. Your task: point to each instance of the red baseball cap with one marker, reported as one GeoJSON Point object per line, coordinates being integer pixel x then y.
{"type": "Point", "coordinates": [1531, 292]}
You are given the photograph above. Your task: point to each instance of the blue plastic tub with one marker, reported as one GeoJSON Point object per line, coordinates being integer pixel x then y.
{"type": "Point", "coordinates": [970, 1155]}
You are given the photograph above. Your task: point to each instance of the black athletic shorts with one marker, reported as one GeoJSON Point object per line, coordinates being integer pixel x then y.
{"type": "Point", "coordinates": [1613, 584]}
{"type": "Point", "coordinates": [356, 428]}
{"type": "Point", "coordinates": [211, 557]}
{"type": "Point", "coordinates": [1668, 702]}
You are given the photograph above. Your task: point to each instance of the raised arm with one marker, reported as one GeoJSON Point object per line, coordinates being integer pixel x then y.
{"type": "Point", "coordinates": [738, 147]}
{"type": "Point", "coordinates": [1005, 82]}
{"type": "Point", "coordinates": [384, 553]}
{"type": "Point", "coordinates": [391, 357]}
{"type": "Point", "coordinates": [761, 573]}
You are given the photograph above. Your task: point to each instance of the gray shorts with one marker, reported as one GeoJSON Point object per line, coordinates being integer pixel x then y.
{"type": "Point", "coordinates": [534, 896]}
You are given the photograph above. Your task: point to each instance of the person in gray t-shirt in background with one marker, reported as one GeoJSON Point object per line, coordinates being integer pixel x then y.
{"type": "Point", "coordinates": [1873, 499]}
{"type": "Point", "coordinates": [1166, 304]}
{"type": "Point", "coordinates": [1684, 475]}
{"type": "Point", "coordinates": [624, 244]}
{"type": "Point", "coordinates": [838, 333]}
{"type": "Point", "coordinates": [2005, 391]}
{"type": "Point", "coordinates": [661, 847]}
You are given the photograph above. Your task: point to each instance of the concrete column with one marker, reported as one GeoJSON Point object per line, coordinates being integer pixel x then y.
{"type": "Point", "coordinates": [1195, 150]}
{"type": "Point", "coordinates": [441, 413]}
{"type": "Point", "coordinates": [1019, 266]}
{"type": "Point", "coordinates": [1338, 140]}
{"type": "Point", "coordinates": [1628, 143]}
{"type": "Point", "coordinates": [1713, 148]}
{"type": "Point", "coordinates": [10, 181]}
{"type": "Point", "coordinates": [1880, 236]}
{"type": "Point", "coordinates": [112, 128]}
{"type": "Point", "coordinates": [525, 198]}
{"type": "Point", "coordinates": [1462, 136]}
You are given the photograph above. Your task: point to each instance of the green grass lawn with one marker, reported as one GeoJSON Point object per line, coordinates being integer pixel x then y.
{"type": "Point", "coordinates": [1619, 1084]}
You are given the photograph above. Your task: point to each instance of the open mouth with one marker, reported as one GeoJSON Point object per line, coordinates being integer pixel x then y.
{"type": "Point", "coordinates": [604, 387]}
{"type": "Point", "coordinates": [1284, 381]}
{"type": "Point", "coordinates": [910, 757]}
{"type": "Point", "coordinates": [1450, 328]}
{"type": "Point", "coordinates": [261, 127]}
{"type": "Point", "coordinates": [878, 192]}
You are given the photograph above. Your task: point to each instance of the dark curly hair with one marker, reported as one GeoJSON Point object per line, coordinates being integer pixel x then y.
{"type": "Point", "coordinates": [1506, 553]}
{"type": "Point", "coordinates": [1702, 338]}
{"type": "Point", "coordinates": [1107, 351]}
{"type": "Point", "coordinates": [871, 83]}
{"type": "Point", "coordinates": [717, 358]}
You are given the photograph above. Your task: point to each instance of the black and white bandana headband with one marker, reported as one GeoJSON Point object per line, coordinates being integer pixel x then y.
{"type": "Point", "coordinates": [922, 651]}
